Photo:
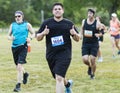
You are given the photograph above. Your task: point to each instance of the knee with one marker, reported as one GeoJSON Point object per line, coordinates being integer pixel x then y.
{"type": "Point", "coordinates": [59, 78]}
{"type": "Point", "coordinates": [93, 63]}
{"type": "Point", "coordinates": [85, 60]}
{"type": "Point", "coordinates": [93, 60]}
{"type": "Point", "coordinates": [19, 67]}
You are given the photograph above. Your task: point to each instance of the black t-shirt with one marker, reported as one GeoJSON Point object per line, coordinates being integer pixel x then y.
{"type": "Point", "coordinates": [89, 31]}
{"type": "Point", "coordinates": [58, 42]}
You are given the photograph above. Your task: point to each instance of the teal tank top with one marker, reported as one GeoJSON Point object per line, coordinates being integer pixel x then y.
{"type": "Point", "coordinates": [20, 33]}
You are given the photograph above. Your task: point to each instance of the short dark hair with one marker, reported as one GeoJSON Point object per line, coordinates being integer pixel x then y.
{"type": "Point", "coordinates": [57, 4]}
{"type": "Point", "coordinates": [91, 10]}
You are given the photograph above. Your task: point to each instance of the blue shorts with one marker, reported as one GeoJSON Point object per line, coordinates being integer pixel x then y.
{"type": "Point", "coordinates": [116, 36]}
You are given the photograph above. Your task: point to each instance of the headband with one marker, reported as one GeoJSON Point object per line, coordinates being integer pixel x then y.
{"type": "Point", "coordinates": [19, 12]}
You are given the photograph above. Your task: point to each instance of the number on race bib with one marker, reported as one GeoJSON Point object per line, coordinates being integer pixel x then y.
{"type": "Point", "coordinates": [57, 41]}
{"type": "Point", "coordinates": [88, 33]}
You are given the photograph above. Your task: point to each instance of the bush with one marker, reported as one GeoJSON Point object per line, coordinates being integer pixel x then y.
{"type": "Point", "coordinates": [2, 24]}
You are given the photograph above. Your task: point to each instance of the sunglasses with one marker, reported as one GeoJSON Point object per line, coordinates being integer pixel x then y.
{"type": "Point", "coordinates": [17, 16]}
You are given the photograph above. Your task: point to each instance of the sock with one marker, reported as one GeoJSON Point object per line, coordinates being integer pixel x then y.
{"type": "Point", "coordinates": [68, 85]}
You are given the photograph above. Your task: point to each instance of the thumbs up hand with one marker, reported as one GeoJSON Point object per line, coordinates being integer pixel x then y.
{"type": "Point", "coordinates": [72, 31]}
{"type": "Point", "coordinates": [46, 30]}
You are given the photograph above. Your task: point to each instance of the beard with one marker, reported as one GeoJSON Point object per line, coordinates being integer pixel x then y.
{"type": "Point", "coordinates": [19, 21]}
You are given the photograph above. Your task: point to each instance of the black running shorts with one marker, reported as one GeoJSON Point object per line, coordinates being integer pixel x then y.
{"type": "Point", "coordinates": [19, 54]}
{"type": "Point", "coordinates": [90, 50]}
{"type": "Point", "coordinates": [100, 39]}
{"type": "Point", "coordinates": [59, 66]}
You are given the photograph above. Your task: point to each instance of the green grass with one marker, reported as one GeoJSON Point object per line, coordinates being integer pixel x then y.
{"type": "Point", "coordinates": [40, 81]}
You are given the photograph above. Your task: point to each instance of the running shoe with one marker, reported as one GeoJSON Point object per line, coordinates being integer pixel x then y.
{"type": "Point", "coordinates": [100, 59]}
{"type": "Point", "coordinates": [69, 89]}
{"type": "Point", "coordinates": [119, 52]}
{"type": "Point", "coordinates": [17, 88]}
{"type": "Point", "coordinates": [92, 76]}
{"type": "Point", "coordinates": [25, 78]}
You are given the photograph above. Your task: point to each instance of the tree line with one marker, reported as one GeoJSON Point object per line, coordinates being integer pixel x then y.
{"type": "Point", "coordinates": [36, 11]}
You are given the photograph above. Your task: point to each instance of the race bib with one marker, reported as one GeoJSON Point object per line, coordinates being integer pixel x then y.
{"type": "Point", "coordinates": [88, 33]}
{"type": "Point", "coordinates": [57, 41]}
{"type": "Point", "coordinates": [113, 29]}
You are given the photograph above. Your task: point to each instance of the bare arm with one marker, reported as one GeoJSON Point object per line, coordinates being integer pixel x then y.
{"type": "Point", "coordinates": [30, 28]}
{"type": "Point", "coordinates": [75, 35]}
{"type": "Point", "coordinates": [41, 35]}
{"type": "Point", "coordinates": [119, 25]}
{"type": "Point", "coordinates": [100, 28]}
{"type": "Point", "coordinates": [10, 37]}
{"type": "Point", "coordinates": [81, 32]}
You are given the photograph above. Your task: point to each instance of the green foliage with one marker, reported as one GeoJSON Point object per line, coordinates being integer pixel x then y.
{"type": "Point", "coordinates": [75, 10]}
{"type": "Point", "coordinates": [104, 17]}
{"type": "Point", "coordinates": [39, 5]}
{"type": "Point", "coordinates": [2, 24]}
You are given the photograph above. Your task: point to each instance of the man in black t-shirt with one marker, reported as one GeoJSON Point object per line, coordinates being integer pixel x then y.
{"type": "Point", "coordinates": [58, 46]}
{"type": "Point", "coordinates": [90, 33]}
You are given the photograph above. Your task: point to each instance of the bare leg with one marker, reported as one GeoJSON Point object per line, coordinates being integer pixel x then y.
{"type": "Point", "coordinates": [59, 84]}
{"type": "Point", "coordinates": [113, 45]}
{"type": "Point", "coordinates": [117, 44]}
{"type": "Point", "coordinates": [86, 60]}
{"type": "Point", "coordinates": [20, 73]}
{"type": "Point", "coordinates": [93, 64]}
{"type": "Point", "coordinates": [99, 54]}
{"type": "Point", "coordinates": [19, 77]}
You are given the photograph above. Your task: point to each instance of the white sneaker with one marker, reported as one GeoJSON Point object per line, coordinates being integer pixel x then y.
{"type": "Point", "coordinates": [100, 59]}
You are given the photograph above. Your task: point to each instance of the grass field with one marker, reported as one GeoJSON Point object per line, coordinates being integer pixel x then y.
{"type": "Point", "coordinates": [40, 80]}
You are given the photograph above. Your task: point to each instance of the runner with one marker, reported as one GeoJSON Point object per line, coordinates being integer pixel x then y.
{"type": "Point", "coordinates": [18, 33]}
{"type": "Point", "coordinates": [90, 33]}
{"type": "Point", "coordinates": [115, 33]}
{"type": "Point", "coordinates": [58, 46]}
